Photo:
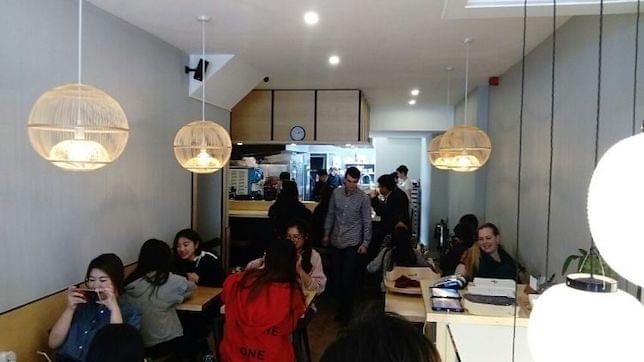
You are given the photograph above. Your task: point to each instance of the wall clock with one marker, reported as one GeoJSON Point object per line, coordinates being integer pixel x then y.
{"type": "Point", "coordinates": [298, 133]}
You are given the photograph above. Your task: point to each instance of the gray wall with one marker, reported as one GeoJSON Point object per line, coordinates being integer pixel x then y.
{"type": "Point", "coordinates": [574, 136]}
{"type": "Point", "coordinates": [54, 222]}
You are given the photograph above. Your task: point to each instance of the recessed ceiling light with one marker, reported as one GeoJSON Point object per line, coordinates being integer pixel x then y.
{"type": "Point", "coordinates": [311, 17]}
{"type": "Point", "coordinates": [240, 143]}
{"type": "Point", "coordinates": [412, 102]}
{"type": "Point", "coordinates": [415, 92]}
{"type": "Point", "coordinates": [334, 60]}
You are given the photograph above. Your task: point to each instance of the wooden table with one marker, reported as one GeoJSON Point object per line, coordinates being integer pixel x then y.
{"type": "Point", "coordinates": [440, 320]}
{"type": "Point", "coordinates": [410, 306]}
{"type": "Point", "coordinates": [200, 299]}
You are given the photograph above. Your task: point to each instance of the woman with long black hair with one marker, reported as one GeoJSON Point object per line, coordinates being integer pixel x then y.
{"type": "Point", "coordinates": [263, 307]}
{"type": "Point", "coordinates": [309, 268]}
{"type": "Point", "coordinates": [286, 208]}
{"type": "Point", "coordinates": [155, 291]}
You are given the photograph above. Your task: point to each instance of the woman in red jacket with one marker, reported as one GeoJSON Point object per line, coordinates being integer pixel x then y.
{"type": "Point", "coordinates": [262, 308]}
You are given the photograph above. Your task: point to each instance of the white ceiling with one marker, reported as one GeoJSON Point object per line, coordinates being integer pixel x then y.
{"type": "Point", "coordinates": [387, 47]}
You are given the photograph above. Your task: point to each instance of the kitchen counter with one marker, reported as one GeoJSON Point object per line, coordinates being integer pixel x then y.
{"type": "Point", "coordinates": [256, 209]}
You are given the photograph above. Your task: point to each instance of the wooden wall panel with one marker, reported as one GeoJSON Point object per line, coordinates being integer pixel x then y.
{"type": "Point", "coordinates": [293, 108]}
{"type": "Point", "coordinates": [337, 115]}
{"type": "Point", "coordinates": [251, 117]}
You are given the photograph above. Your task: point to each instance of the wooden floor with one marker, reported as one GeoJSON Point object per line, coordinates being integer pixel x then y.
{"type": "Point", "coordinates": [322, 329]}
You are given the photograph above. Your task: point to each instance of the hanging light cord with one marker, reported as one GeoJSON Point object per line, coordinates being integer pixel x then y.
{"type": "Point", "coordinates": [449, 70]}
{"type": "Point", "coordinates": [637, 43]}
{"type": "Point", "coordinates": [552, 122]}
{"type": "Point", "coordinates": [599, 90]}
{"type": "Point", "coordinates": [80, 39]}
{"type": "Point", "coordinates": [467, 75]}
{"type": "Point", "coordinates": [523, 47]}
{"type": "Point", "coordinates": [203, 68]}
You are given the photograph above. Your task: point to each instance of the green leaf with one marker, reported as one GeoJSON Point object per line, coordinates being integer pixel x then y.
{"type": "Point", "coordinates": [567, 262]}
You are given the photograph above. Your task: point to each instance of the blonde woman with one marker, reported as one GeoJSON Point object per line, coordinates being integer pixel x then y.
{"type": "Point", "coordinates": [487, 259]}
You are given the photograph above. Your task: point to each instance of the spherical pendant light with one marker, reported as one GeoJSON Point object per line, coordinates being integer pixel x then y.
{"type": "Point", "coordinates": [202, 147]}
{"type": "Point", "coordinates": [615, 199]}
{"type": "Point", "coordinates": [75, 126]}
{"type": "Point", "coordinates": [570, 324]}
{"type": "Point", "coordinates": [436, 157]}
{"type": "Point", "coordinates": [78, 127]}
{"type": "Point", "coordinates": [469, 146]}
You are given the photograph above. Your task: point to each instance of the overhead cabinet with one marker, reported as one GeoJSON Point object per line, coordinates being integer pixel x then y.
{"type": "Point", "coordinates": [293, 109]}
{"type": "Point", "coordinates": [307, 116]}
{"type": "Point", "coordinates": [251, 117]}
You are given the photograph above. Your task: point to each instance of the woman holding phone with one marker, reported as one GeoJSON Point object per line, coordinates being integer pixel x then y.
{"type": "Point", "coordinates": [89, 310]}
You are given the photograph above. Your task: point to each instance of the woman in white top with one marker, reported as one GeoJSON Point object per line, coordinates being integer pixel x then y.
{"type": "Point", "coordinates": [309, 263]}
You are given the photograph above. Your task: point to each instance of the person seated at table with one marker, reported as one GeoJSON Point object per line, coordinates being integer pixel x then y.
{"type": "Point", "coordinates": [190, 260]}
{"type": "Point", "coordinates": [263, 307]}
{"type": "Point", "coordinates": [384, 337]}
{"type": "Point", "coordinates": [156, 292]}
{"type": "Point", "coordinates": [397, 250]}
{"type": "Point", "coordinates": [202, 268]}
{"type": "Point", "coordinates": [117, 343]}
{"type": "Point", "coordinates": [472, 220]}
{"type": "Point", "coordinates": [85, 313]}
{"type": "Point", "coordinates": [287, 207]}
{"type": "Point", "coordinates": [309, 263]}
{"type": "Point", "coordinates": [487, 259]}
{"type": "Point", "coordinates": [463, 240]}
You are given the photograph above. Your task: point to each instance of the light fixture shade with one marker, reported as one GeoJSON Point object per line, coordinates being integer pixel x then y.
{"type": "Point", "coordinates": [436, 157]}
{"type": "Point", "coordinates": [615, 200]}
{"type": "Point", "coordinates": [202, 147]}
{"type": "Point", "coordinates": [78, 127]}
{"type": "Point", "coordinates": [568, 324]}
{"type": "Point", "coordinates": [468, 146]}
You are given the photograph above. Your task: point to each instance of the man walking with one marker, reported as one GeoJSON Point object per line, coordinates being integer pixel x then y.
{"type": "Point", "coordinates": [348, 228]}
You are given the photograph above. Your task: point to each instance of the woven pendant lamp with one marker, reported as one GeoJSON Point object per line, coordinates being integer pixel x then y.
{"type": "Point", "coordinates": [436, 157]}
{"type": "Point", "coordinates": [78, 127]}
{"type": "Point", "coordinates": [202, 146]}
{"type": "Point", "coordinates": [469, 147]}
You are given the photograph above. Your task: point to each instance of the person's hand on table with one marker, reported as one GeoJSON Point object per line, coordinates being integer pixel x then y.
{"type": "Point", "coordinates": [193, 277]}
{"type": "Point", "coordinates": [362, 250]}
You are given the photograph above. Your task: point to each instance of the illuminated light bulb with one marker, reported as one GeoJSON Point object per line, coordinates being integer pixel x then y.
{"type": "Point", "coordinates": [568, 324]}
{"type": "Point", "coordinates": [615, 197]}
{"type": "Point", "coordinates": [311, 17]}
{"type": "Point", "coordinates": [203, 163]}
{"type": "Point", "coordinates": [79, 154]}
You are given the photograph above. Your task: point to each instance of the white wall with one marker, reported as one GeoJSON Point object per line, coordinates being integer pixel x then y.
{"type": "Point", "coordinates": [392, 152]}
{"type": "Point", "coordinates": [574, 136]}
{"type": "Point", "coordinates": [410, 118]}
{"type": "Point", "coordinates": [53, 221]}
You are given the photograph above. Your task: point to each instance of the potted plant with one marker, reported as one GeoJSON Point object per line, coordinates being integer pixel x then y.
{"type": "Point", "coordinates": [588, 262]}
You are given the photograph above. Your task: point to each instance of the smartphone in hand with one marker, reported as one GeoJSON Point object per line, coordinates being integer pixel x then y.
{"type": "Point", "coordinates": [91, 295]}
